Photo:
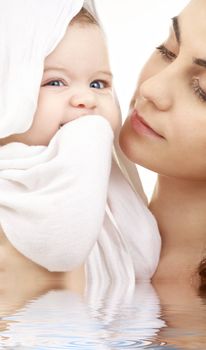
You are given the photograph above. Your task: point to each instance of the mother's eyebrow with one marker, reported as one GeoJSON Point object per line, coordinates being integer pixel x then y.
{"type": "Point", "coordinates": [200, 62]}
{"type": "Point", "coordinates": [176, 27]}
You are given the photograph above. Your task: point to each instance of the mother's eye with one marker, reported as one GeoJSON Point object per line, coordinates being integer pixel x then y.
{"type": "Point", "coordinates": [166, 54]}
{"type": "Point", "coordinates": [198, 90]}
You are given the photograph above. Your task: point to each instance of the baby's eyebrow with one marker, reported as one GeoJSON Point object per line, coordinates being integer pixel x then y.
{"type": "Point", "coordinates": [64, 70]}
{"type": "Point", "coordinates": [54, 68]}
{"type": "Point", "coordinates": [105, 73]}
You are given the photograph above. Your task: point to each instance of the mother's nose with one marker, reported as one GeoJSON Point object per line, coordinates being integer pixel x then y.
{"type": "Point", "coordinates": [158, 89]}
{"type": "Point", "coordinates": [83, 99]}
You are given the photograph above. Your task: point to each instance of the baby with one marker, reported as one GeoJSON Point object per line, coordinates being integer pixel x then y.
{"type": "Point", "coordinates": [71, 216]}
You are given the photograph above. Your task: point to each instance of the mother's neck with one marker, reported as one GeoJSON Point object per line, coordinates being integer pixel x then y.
{"type": "Point", "coordinates": [180, 209]}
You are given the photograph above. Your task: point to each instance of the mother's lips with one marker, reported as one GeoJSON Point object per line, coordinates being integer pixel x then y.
{"type": "Point", "coordinates": [141, 126]}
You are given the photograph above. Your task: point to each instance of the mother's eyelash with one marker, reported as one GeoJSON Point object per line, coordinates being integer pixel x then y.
{"type": "Point", "coordinates": [199, 92]}
{"type": "Point", "coordinates": [166, 54]}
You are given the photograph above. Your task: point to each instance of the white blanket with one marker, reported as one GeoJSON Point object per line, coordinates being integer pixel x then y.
{"type": "Point", "coordinates": [53, 198]}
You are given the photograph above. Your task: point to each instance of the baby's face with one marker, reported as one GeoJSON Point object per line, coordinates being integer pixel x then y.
{"type": "Point", "coordinates": [77, 81]}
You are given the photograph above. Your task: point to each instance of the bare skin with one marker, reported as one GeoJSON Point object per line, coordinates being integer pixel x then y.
{"type": "Point", "coordinates": [30, 278]}
{"type": "Point", "coordinates": [180, 209]}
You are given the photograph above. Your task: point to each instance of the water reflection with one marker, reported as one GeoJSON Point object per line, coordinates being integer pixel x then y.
{"type": "Point", "coordinates": [166, 316]}
{"type": "Point", "coordinates": [184, 313]}
{"type": "Point", "coordinates": [60, 319]}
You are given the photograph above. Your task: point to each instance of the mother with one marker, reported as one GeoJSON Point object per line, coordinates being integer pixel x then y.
{"type": "Point", "coordinates": [166, 132]}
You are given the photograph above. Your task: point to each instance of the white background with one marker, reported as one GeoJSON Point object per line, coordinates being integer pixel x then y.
{"type": "Point", "coordinates": [134, 28]}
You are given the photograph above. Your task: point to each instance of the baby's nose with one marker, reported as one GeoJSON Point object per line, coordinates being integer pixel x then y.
{"type": "Point", "coordinates": [83, 100]}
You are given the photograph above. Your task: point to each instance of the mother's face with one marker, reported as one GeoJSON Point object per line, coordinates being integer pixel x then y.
{"type": "Point", "coordinates": [166, 127]}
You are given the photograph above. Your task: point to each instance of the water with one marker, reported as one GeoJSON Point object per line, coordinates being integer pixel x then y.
{"type": "Point", "coordinates": [167, 317]}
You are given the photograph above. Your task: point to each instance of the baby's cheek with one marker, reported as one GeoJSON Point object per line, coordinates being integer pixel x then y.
{"type": "Point", "coordinates": [115, 118]}
{"type": "Point", "coordinates": [109, 108]}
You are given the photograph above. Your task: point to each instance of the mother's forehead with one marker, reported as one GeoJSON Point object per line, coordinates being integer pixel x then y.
{"type": "Point", "coordinates": [190, 24]}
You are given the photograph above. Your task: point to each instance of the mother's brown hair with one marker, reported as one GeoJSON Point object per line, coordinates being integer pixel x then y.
{"type": "Point", "coordinates": [202, 275]}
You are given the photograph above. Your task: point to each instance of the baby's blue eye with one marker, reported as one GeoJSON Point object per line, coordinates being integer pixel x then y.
{"type": "Point", "coordinates": [55, 83]}
{"type": "Point", "coordinates": [98, 84]}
